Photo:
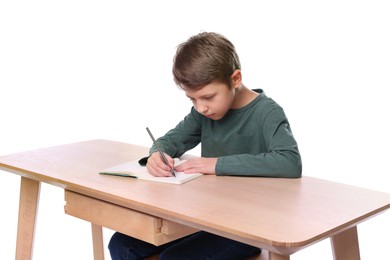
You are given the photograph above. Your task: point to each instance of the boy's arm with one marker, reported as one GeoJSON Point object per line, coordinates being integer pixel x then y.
{"type": "Point", "coordinates": [281, 160]}
{"type": "Point", "coordinates": [185, 136]}
{"type": "Point", "coordinates": [279, 164]}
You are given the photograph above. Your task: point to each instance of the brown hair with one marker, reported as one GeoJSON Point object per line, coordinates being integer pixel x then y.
{"type": "Point", "coordinates": [204, 58]}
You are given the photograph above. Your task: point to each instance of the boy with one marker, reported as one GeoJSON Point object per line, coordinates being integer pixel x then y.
{"type": "Point", "coordinates": [242, 133]}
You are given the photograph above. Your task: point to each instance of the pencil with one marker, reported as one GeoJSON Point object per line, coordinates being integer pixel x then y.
{"type": "Point", "coordinates": [161, 153]}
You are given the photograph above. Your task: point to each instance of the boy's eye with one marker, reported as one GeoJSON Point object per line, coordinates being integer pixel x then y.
{"type": "Point", "coordinates": [208, 97]}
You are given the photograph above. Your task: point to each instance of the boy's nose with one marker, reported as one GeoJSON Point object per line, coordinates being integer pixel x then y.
{"type": "Point", "coordinates": [202, 109]}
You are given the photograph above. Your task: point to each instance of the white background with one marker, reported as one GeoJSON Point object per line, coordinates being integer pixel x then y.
{"type": "Point", "coordinates": [79, 70]}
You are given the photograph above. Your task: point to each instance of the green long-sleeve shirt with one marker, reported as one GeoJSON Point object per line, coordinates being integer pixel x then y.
{"type": "Point", "coordinates": [255, 140]}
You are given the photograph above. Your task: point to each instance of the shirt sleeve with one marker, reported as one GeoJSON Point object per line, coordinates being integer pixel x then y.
{"type": "Point", "coordinates": [185, 136]}
{"type": "Point", "coordinates": [282, 158]}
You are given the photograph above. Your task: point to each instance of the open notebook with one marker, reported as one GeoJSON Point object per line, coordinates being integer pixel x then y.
{"type": "Point", "coordinates": [135, 170]}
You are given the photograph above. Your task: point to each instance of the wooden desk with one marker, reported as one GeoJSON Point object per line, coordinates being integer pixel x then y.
{"type": "Point", "coordinates": [282, 216]}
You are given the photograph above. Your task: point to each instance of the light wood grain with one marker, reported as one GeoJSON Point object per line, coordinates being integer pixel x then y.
{"type": "Point", "coordinates": [98, 243]}
{"type": "Point", "coordinates": [345, 245]}
{"type": "Point", "coordinates": [146, 227]}
{"type": "Point", "coordinates": [28, 205]}
{"type": "Point", "coordinates": [279, 215]}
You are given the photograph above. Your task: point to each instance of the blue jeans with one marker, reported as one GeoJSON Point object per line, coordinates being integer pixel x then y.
{"type": "Point", "coordinates": [200, 245]}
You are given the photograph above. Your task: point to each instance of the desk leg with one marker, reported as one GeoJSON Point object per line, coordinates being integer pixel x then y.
{"type": "Point", "coordinates": [273, 256]}
{"type": "Point", "coordinates": [98, 245]}
{"type": "Point", "coordinates": [28, 206]}
{"type": "Point", "coordinates": [346, 245]}
{"type": "Point", "coordinates": [268, 255]}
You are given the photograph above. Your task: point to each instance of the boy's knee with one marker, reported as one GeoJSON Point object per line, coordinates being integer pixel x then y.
{"type": "Point", "coordinates": [125, 247]}
{"type": "Point", "coordinates": [173, 253]}
{"type": "Point", "coordinates": [117, 247]}
{"type": "Point", "coordinates": [115, 241]}
{"type": "Point", "coordinates": [167, 255]}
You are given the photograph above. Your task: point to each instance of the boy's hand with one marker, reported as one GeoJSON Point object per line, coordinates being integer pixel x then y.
{"type": "Point", "coordinates": [157, 167]}
{"type": "Point", "coordinates": [195, 165]}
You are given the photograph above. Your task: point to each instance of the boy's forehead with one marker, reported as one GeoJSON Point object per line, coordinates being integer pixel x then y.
{"type": "Point", "coordinates": [204, 90]}
{"type": "Point", "coordinates": [195, 91]}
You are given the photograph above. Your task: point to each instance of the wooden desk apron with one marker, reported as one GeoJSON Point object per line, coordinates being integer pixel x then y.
{"type": "Point", "coordinates": [146, 227]}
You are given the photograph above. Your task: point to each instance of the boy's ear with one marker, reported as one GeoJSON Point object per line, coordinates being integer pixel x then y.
{"type": "Point", "coordinates": [236, 78]}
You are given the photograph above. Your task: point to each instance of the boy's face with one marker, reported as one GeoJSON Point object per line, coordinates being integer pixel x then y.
{"type": "Point", "coordinates": [213, 100]}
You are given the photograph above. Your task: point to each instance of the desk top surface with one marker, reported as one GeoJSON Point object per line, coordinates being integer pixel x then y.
{"type": "Point", "coordinates": [282, 214]}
